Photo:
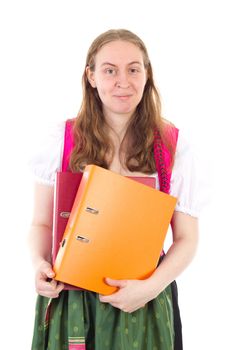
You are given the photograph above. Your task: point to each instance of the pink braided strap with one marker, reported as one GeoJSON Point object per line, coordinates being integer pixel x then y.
{"type": "Point", "coordinates": [163, 157]}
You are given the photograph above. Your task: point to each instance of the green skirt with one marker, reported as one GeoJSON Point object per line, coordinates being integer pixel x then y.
{"type": "Point", "coordinates": [77, 320]}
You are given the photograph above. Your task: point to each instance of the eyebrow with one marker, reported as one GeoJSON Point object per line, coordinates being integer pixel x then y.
{"type": "Point", "coordinates": [129, 64]}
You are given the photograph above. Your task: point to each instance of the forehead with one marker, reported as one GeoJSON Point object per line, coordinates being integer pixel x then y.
{"type": "Point", "coordinates": [119, 52]}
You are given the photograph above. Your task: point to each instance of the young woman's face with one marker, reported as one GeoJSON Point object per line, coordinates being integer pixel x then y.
{"type": "Point", "coordinates": [119, 76]}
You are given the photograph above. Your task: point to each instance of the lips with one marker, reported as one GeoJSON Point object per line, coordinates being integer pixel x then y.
{"type": "Point", "coordinates": [122, 97]}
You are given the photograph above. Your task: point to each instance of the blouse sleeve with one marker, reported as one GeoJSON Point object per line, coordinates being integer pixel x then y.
{"type": "Point", "coordinates": [48, 159]}
{"type": "Point", "coordinates": [186, 183]}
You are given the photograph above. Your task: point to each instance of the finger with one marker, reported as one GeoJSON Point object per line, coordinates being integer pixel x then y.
{"type": "Point", "coordinates": [46, 268]}
{"type": "Point", "coordinates": [60, 287]}
{"type": "Point", "coordinates": [46, 286]}
{"type": "Point", "coordinates": [105, 299]}
{"type": "Point", "coordinates": [46, 274]}
{"type": "Point", "coordinates": [48, 294]}
{"type": "Point", "coordinates": [50, 289]}
{"type": "Point", "coordinates": [49, 272]}
{"type": "Point", "coordinates": [109, 298]}
{"type": "Point", "coordinates": [117, 306]}
{"type": "Point", "coordinates": [115, 283]}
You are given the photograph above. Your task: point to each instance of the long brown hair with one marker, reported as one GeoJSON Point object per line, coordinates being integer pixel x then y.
{"type": "Point", "coordinates": [92, 143]}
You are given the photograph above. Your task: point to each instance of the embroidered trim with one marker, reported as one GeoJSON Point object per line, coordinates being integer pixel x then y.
{"type": "Point", "coordinates": [77, 343]}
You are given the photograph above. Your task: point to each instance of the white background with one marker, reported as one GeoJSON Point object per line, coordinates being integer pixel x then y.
{"type": "Point", "coordinates": [43, 49]}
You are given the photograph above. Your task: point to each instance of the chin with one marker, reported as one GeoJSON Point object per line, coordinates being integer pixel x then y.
{"type": "Point", "coordinates": [128, 111]}
{"type": "Point", "coordinates": [124, 109]}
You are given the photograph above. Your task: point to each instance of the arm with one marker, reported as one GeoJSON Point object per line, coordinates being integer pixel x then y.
{"type": "Point", "coordinates": [40, 235]}
{"type": "Point", "coordinates": [40, 241]}
{"type": "Point", "coordinates": [180, 254]}
{"type": "Point", "coordinates": [134, 294]}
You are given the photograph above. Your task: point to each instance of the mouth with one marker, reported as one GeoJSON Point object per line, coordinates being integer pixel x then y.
{"type": "Point", "coordinates": [123, 97]}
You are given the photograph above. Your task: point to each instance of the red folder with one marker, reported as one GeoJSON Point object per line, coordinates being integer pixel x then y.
{"type": "Point", "coordinates": [66, 187]}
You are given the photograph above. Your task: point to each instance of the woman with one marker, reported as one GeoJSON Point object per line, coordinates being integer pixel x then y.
{"type": "Point", "coordinates": [115, 128]}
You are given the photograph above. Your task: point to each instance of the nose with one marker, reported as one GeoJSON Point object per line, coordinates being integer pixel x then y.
{"type": "Point", "coordinates": [122, 80]}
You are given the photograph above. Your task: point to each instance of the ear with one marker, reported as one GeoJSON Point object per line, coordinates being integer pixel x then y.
{"type": "Point", "coordinates": [90, 76]}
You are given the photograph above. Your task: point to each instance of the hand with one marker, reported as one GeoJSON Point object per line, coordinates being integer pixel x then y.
{"type": "Point", "coordinates": [49, 289]}
{"type": "Point", "coordinates": [131, 296]}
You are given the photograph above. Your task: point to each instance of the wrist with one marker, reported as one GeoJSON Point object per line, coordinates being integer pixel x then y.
{"type": "Point", "coordinates": [149, 289]}
{"type": "Point", "coordinates": [155, 284]}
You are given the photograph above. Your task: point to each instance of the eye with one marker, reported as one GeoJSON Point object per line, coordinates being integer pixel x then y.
{"type": "Point", "coordinates": [110, 71]}
{"type": "Point", "coordinates": [134, 70]}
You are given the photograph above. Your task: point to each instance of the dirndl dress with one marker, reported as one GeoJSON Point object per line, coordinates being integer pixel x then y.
{"type": "Point", "coordinates": [77, 320]}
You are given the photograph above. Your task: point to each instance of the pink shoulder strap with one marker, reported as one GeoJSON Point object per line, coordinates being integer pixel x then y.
{"type": "Point", "coordinates": [68, 144]}
{"type": "Point", "coordinates": [161, 153]}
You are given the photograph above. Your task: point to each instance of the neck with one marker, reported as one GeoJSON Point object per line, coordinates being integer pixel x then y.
{"type": "Point", "coordinates": [118, 124]}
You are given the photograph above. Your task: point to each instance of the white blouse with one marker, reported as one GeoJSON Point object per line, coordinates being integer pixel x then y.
{"type": "Point", "coordinates": [185, 180]}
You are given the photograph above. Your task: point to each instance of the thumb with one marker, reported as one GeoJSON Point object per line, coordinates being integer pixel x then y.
{"type": "Point", "coordinates": [50, 273]}
{"type": "Point", "coordinates": [115, 283]}
{"type": "Point", "coordinates": [48, 270]}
